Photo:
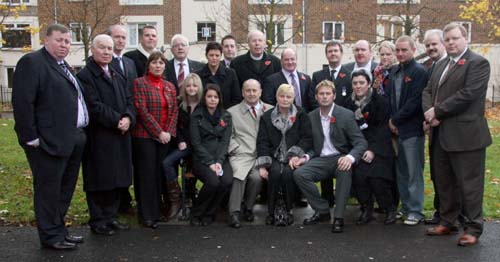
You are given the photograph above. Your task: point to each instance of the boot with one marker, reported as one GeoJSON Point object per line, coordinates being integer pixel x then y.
{"type": "Point", "coordinates": [174, 197]}
{"type": "Point", "coordinates": [366, 214]}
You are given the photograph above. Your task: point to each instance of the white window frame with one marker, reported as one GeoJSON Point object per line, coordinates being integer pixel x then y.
{"type": "Point", "coordinates": [32, 21]}
{"type": "Point", "coordinates": [80, 25]}
{"type": "Point", "coordinates": [391, 18]}
{"type": "Point", "coordinates": [214, 31]}
{"type": "Point", "coordinates": [342, 36]}
{"type": "Point", "coordinates": [156, 21]}
{"type": "Point", "coordinates": [468, 27]}
{"type": "Point", "coordinates": [21, 2]}
{"type": "Point", "coordinates": [397, 2]}
{"type": "Point", "coordinates": [286, 20]}
{"type": "Point", "coordinates": [141, 2]}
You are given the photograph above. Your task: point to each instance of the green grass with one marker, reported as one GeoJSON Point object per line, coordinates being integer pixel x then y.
{"type": "Point", "coordinates": [16, 191]}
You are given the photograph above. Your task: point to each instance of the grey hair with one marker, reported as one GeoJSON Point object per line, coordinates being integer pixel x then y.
{"type": "Point", "coordinates": [432, 32]}
{"type": "Point", "coordinates": [101, 37]}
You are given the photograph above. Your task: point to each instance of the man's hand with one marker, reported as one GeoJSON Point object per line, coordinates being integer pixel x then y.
{"type": "Point", "coordinates": [368, 156]}
{"type": "Point", "coordinates": [344, 163]}
{"type": "Point", "coordinates": [295, 162]}
{"type": "Point", "coordinates": [429, 115]}
{"type": "Point", "coordinates": [263, 173]}
{"type": "Point", "coordinates": [182, 146]}
{"type": "Point", "coordinates": [124, 124]}
{"type": "Point", "coordinates": [393, 128]}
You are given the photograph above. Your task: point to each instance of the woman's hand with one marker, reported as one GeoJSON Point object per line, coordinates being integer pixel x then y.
{"type": "Point", "coordinates": [368, 156]}
{"type": "Point", "coordinates": [164, 137]}
{"type": "Point", "coordinates": [182, 146]}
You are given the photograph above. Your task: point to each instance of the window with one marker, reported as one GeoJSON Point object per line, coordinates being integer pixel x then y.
{"type": "Point", "coordinates": [77, 33]}
{"type": "Point", "coordinates": [277, 34]}
{"type": "Point", "coordinates": [15, 36]}
{"type": "Point", "coordinates": [392, 27]}
{"type": "Point", "coordinates": [135, 31]}
{"type": "Point", "coordinates": [205, 31]}
{"type": "Point", "coordinates": [141, 2]}
{"type": "Point", "coordinates": [333, 30]}
{"type": "Point", "coordinates": [397, 1]}
{"type": "Point", "coordinates": [14, 2]}
{"type": "Point", "coordinates": [276, 2]}
{"type": "Point", "coordinates": [468, 27]}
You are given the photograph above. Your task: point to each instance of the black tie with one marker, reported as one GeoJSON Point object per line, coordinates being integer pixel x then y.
{"type": "Point", "coordinates": [332, 74]}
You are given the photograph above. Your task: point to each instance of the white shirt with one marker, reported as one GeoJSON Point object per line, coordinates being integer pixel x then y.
{"type": "Point", "coordinates": [289, 78]}
{"type": "Point", "coordinates": [328, 148]}
{"type": "Point", "coordinates": [455, 60]}
{"type": "Point", "coordinates": [367, 67]}
{"type": "Point", "coordinates": [337, 70]}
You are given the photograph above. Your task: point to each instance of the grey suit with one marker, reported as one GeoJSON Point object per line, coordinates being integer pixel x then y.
{"type": "Point", "coordinates": [347, 139]}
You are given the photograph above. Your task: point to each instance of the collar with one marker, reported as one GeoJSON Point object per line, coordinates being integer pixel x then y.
{"type": "Point", "coordinates": [368, 66]}
{"type": "Point", "coordinates": [255, 57]}
{"type": "Point", "coordinates": [337, 69]}
{"type": "Point", "coordinates": [460, 56]}
{"type": "Point", "coordinates": [258, 106]}
{"type": "Point", "coordinates": [287, 74]}
{"type": "Point", "coordinates": [143, 51]}
{"type": "Point", "coordinates": [117, 56]}
{"type": "Point", "coordinates": [445, 55]}
{"type": "Point", "coordinates": [177, 62]}
{"type": "Point", "coordinates": [329, 113]}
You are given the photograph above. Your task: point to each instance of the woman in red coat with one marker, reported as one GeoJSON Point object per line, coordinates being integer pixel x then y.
{"type": "Point", "coordinates": [156, 106]}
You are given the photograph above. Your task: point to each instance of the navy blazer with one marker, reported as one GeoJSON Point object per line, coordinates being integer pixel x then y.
{"type": "Point", "coordinates": [273, 81]}
{"type": "Point", "coordinates": [172, 77]}
{"type": "Point", "coordinates": [343, 88]}
{"type": "Point", "coordinates": [245, 69]}
{"type": "Point", "coordinates": [129, 72]}
{"type": "Point", "coordinates": [407, 116]}
{"type": "Point", "coordinates": [139, 61]}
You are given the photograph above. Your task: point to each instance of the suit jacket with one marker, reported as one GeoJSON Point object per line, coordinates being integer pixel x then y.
{"type": "Point", "coordinates": [227, 80]}
{"type": "Point", "coordinates": [344, 133]}
{"type": "Point", "coordinates": [459, 104]}
{"type": "Point", "coordinates": [242, 146]}
{"type": "Point", "coordinates": [139, 61]}
{"type": "Point", "coordinates": [172, 77]}
{"type": "Point", "coordinates": [45, 103]}
{"type": "Point", "coordinates": [245, 69]}
{"type": "Point", "coordinates": [343, 88]}
{"type": "Point", "coordinates": [273, 81]}
{"type": "Point", "coordinates": [129, 72]}
{"type": "Point", "coordinates": [210, 142]}
{"type": "Point", "coordinates": [350, 66]}
{"type": "Point", "coordinates": [107, 160]}
{"type": "Point", "coordinates": [407, 116]}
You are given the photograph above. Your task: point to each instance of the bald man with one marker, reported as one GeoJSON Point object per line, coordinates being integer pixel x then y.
{"type": "Point", "coordinates": [107, 160]}
{"type": "Point", "coordinates": [363, 57]}
{"type": "Point", "coordinates": [304, 92]}
{"type": "Point", "coordinates": [256, 63]}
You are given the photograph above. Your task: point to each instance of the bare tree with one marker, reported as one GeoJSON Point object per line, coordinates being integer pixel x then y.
{"type": "Point", "coordinates": [86, 18]}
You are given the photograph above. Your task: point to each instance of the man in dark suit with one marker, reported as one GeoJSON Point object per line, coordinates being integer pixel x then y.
{"type": "Point", "coordinates": [180, 66]}
{"type": "Point", "coordinates": [337, 145]}
{"type": "Point", "coordinates": [304, 93]}
{"type": "Point", "coordinates": [405, 84]}
{"type": "Point", "coordinates": [363, 57]}
{"type": "Point", "coordinates": [148, 43]}
{"type": "Point", "coordinates": [126, 68]}
{"type": "Point", "coordinates": [229, 49]}
{"type": "Point", "coordinates": [335, 72]}
{"type": "Point", "coordinates": [256, 63]}
{"type": "Point", "coordinates": [453, 102]}
{"type": "Point", "coordinates": [435, 49]}
{"type": "Point", "coordinates": [50, 114]}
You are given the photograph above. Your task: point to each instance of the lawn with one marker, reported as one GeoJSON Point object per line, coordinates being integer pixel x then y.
{"type": "Point", "coordinates": [16, 193]}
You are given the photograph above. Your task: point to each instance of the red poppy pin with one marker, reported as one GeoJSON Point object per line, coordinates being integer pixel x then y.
{"type": "Point", "coordinates": [303, 77]}
{"type": "Point", "coordinates": [292, 119]}
{"type": "Point", "coordinates": [341, 75]}
{"type": "Point", "coordinates": [222, 123]}
{"type": "Point", "coordinates": [267, 62]}
{"type": "Point", "coordinates": [332, 120]}
{"type": "Point", "coordinates": [407, 79]}
{"type": "Point", "coordinates": [365, 115]}
{"type": "Point", "coordinates": [461, 61]}
{"type": "Point", "coordinates": [386, 81]}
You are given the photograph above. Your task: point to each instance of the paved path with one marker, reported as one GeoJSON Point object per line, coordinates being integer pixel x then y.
{"type": "Point", "coordinates": [257, 242]}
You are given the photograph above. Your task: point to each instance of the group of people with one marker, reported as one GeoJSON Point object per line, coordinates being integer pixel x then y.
{"type": "Point", "coordinates": [252, 124]}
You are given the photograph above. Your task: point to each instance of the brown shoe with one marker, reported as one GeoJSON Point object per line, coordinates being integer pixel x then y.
{"type": "Point", "coordinates": [174, 197]}
{"type": "Point", "coordinates": [438, 230]}
{"type": "Point", "coordinates": [467, 240]}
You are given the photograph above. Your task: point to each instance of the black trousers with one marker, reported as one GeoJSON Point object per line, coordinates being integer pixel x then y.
{"type": "Point", "coordinates": [147, 155]}
{"type": "Point", "coordinates": [433, 179]}
{"type": "Point", "coordinates": [367, 187]}
{"type": "Point", "coordinates": [460, 183]}
{"type": "Point", "coordinates": [214, 188]}
{"type": "Point", "coordinates": [280, 177]}
{"type": "Point", "coordinates": [54, 181]}
{"type": "Point", "coordinates": [103, 206]}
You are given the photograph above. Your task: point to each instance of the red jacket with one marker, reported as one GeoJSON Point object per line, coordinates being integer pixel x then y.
{"type": "Point", "coordinates": [147, 101]}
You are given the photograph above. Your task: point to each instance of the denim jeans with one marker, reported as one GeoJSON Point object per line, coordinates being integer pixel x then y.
{"type": "Point", "coordinates": [171, 162]}
{"type": "Point", "coordinates": [409, 170]}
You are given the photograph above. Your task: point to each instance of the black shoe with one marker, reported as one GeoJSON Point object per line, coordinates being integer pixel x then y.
{"type": "Point", "coordinates": [366, 216]}
{"type": "Point", "coordinates": [235, 220]}
{"type": "Point", "coordinates": [248, 215]}
{"type": "Point", "coordinates": [103, 230]}
{"type": "Point", "coordinates": [195, 221]}
{"type": "Point", "coordinates": [74, 239]}
{"type": "Point", "coordinates": [338, 225]}
{"type": "Point", "coordinates": [150, 223]}
{"type": "Point", "coordinates": [301, 203]}
{"type": "Point", "coordinates": [434, 220]}
{"type": "Point", "coordinates": [61, 245]}
{"type": "Point", "coordinates": [115, 224]}
{"type": "Point", "coordinates": [390, 218]}
{"type": "Point", "coordinates": [207, 221]}
{"type": "Point", "coordinates": [270, 220]}
{"type": "Point", "coordinates": [317, 218]}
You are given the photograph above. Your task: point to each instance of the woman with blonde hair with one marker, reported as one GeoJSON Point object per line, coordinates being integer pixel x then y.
{"type": "Point", "coordinates": [387, 53]}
